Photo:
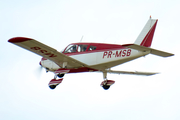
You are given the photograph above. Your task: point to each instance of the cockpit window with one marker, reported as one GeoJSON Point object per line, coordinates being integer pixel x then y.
{"type": "Point", "coordinates": [92, 48]}
{"type": "Point", "coordinates": [82, 48]}
{"type": "Point", "coordinates": [71, 49]}
{"type": "Point", "coordinates": [79, 48]}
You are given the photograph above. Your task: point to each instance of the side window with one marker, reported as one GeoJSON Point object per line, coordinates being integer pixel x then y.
{"type": "Point", "coordinates": [92, 48]}
{"type": "Point", "coordinates": [71, 49]}
{"type": "Point", "coordinates": [82, 48]}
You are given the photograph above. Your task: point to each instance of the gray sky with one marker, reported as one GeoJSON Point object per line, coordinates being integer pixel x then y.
{"type": "Point", "coordinates": [25, 95]}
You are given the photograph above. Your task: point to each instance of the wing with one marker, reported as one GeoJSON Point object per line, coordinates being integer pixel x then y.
{"type": "Point", "coordinates": [46, 52]}
{"type": "Point", "coordinates": [131, 72]}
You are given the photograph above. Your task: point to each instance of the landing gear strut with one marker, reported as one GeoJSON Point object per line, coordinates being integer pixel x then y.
{"type": "Point", "coordinates": [106, 83]}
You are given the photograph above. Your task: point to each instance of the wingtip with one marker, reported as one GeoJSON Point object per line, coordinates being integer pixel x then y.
{"type": "Point", "coordinates": [156, 73]}
{"type": "Point", "coordinates": [18, 39]}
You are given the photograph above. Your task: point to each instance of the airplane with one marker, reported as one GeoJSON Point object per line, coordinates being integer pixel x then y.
{"type": "Point", "coordinates": [92, 57]}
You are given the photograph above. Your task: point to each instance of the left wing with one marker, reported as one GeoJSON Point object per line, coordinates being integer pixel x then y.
{"type": "Point", "coordinates": [46, 52]}
{"type": "Point", "coordinates": [131, 72]}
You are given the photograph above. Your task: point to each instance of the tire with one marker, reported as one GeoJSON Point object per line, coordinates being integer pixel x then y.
{"type": "Point", "coordinates": [52, 86]}
{"type": "Point", "coordinates": [106, 87]}
{"type": "Point", "coordinates": [60, 75]}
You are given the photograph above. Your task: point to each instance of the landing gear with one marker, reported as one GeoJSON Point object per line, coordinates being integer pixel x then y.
{"type": "Point", "coordinates": [106, 83]}
{"type": "Point", "coordinates": [60, 75]}
{"type": "Point", "coordinates": [52, 86]}
{"type": "Point", "coordinates": [106, 87]}
{"type": "Point", "coordinates": [53, 83]}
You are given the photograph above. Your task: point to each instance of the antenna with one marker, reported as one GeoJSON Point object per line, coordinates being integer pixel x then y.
{"type": "Point", "coordinates": [81, 39]}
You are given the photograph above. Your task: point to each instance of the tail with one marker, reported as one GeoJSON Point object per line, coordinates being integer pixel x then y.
{"type": "Point", "coordinates": [144, 40]}
{"type": "Point", "coordinates": [146, 36]}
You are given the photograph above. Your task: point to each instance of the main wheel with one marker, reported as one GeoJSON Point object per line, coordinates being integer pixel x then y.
{"type": "Point", "coordinates": [106, 87]}
{"type": "Point", "coordinates": [52, 86]}
{"type": "Point", "coordinates": [60, 75]}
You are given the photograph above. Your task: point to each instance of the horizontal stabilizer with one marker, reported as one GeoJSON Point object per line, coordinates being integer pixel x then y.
{"type": "Point", "coordinates": [131, 72]}
{"type": "Point", "coordinates": [152, 51]}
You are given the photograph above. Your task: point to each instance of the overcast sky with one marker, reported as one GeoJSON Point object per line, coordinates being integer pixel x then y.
{"type": "Point", "coordinates": [25, 94]}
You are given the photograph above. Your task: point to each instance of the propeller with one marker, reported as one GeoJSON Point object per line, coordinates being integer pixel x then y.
{"type": "Point", "coordinates": [38, 71]}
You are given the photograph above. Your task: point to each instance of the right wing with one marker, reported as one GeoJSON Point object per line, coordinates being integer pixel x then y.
{"type": "Point", "coordinates": [131, 72]}
{"type": "Point", "coordinates": [46, 52]}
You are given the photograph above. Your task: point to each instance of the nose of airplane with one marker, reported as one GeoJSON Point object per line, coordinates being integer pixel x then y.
{"type": "Point", "coordinates": [42, 60]}
{"type": "Point", "coordinates": [48, 64]}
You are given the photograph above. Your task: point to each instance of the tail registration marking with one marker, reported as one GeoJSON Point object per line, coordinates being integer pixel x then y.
{"type": "Point", "coordinates": [118, 53]}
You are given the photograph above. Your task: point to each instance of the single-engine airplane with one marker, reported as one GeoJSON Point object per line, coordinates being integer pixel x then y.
{"type": "Point", "coordinates": [92, 57]}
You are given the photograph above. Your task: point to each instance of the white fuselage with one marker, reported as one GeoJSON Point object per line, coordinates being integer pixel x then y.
{"type": "Point", "coordinates": [95, 58]}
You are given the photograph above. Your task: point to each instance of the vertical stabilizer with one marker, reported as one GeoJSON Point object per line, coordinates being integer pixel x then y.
{"type": "Point", "coordinates": [146, 36]}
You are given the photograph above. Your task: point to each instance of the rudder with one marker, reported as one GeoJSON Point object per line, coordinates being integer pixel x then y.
{"type": "Point", "coordinates": [146, 36]}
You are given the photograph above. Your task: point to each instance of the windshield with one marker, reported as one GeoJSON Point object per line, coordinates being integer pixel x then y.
{"type": "Point", "coordinates": [76, 48]}
{"type": "Point", "coordinates": [71, 49]}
